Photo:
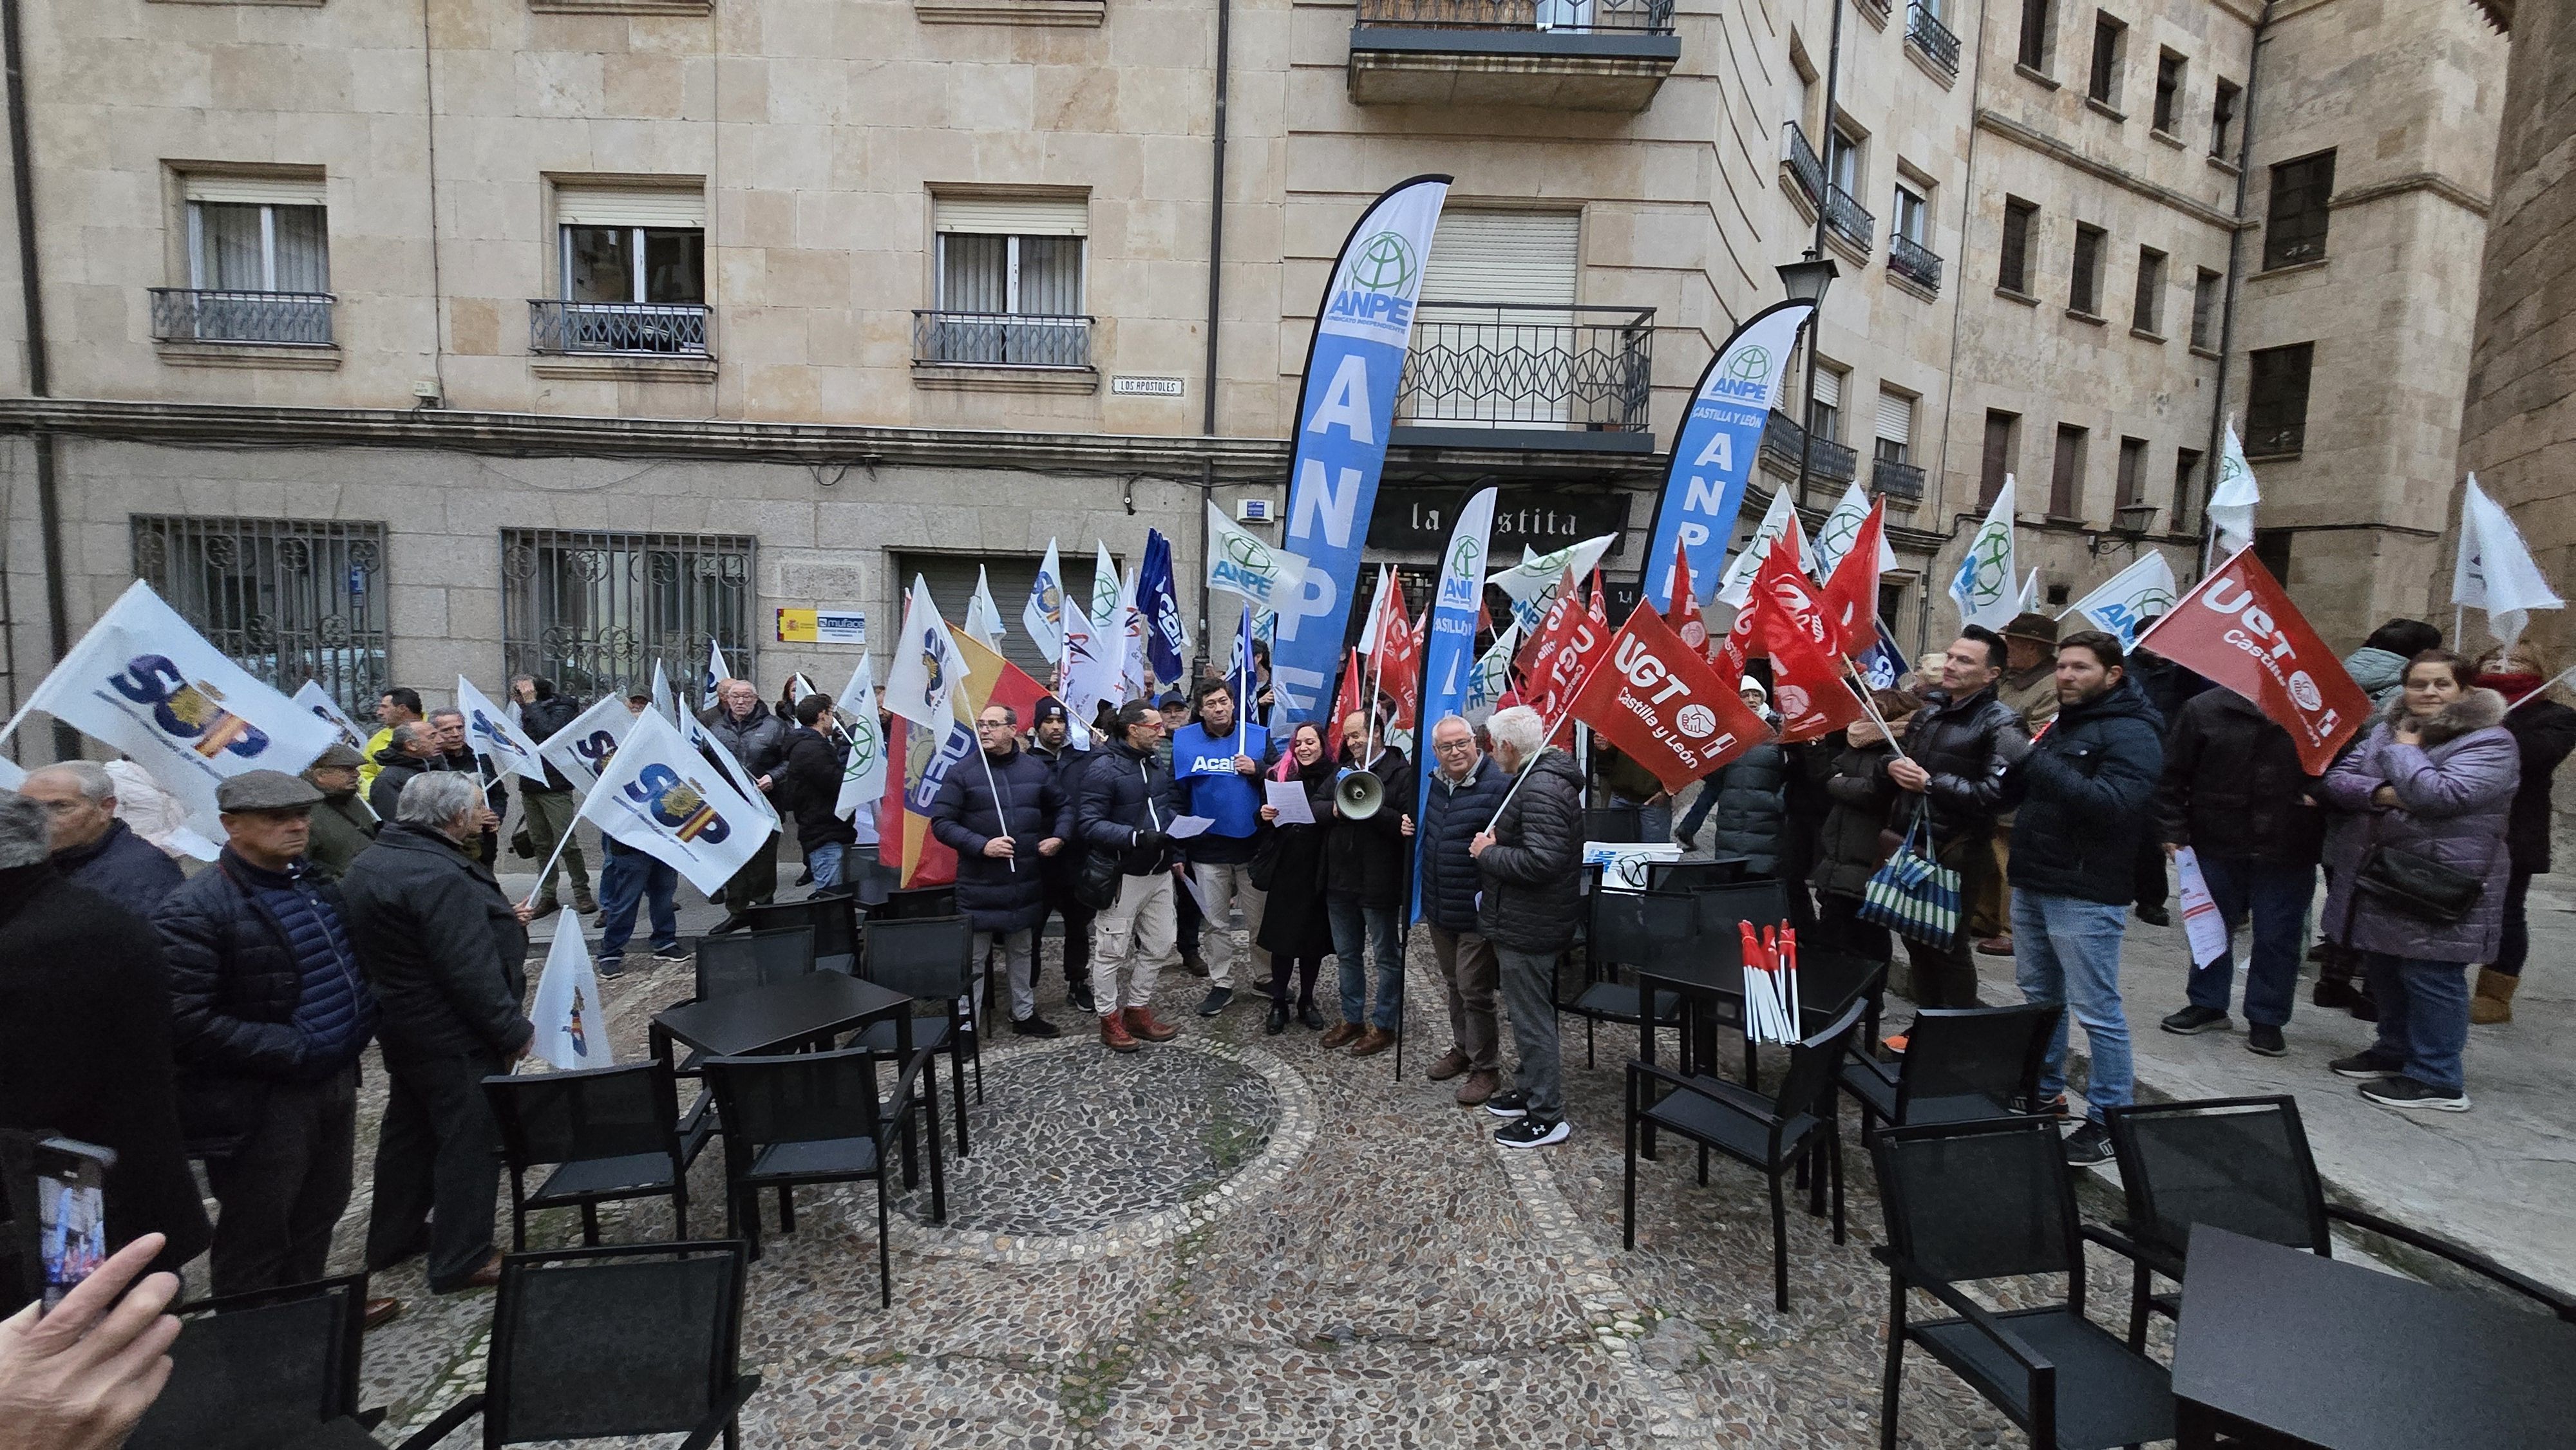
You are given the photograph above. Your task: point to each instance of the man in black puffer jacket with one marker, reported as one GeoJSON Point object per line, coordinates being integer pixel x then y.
{"type": "Point", "coordinates": [1004, 817]}
{"type": "Point", "coordinates": [1466, 787]}
{"type": "Point", "coordinates": [808, 785]}
{"type": "Point", "coordinates": [550, 810]}
{"type": "Point", "coordinates": [757, 740]}
{"type": "Point", "coordinates": [1531, 860]}
{"type": "Point", "coordinates": [1957, 749]}
{"type": "Point", "coordinates": [1125, 803]}
{"type": "Point", "coordinates": [1050, 741]}
{"type": "Point", "coordinates": [269, 1014]}
{"type": "Point", "coordinates": [2085, 794]}
{"type": "Point", "coordinates": [1364, 895]}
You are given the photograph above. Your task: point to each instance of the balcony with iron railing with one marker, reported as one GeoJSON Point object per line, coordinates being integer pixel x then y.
{"type": "Point", "coordinates": [1000, 339]}
{"type": "Point", "coordinates": [647, 329]}
{"type": "Point", "coordinates": [1913, 261]}
{"type": "Point", "coordinates": [1826, 459]}
{"type": "Point", "coordinates": [1502, 375]}
{"type": "Point", "coordinates": [273, 319]}
{"type": "Point", "coordinates": [1896, 479]}
{"type": "Point", "coordinates": [1578, 55]}
{"type": "Point", "coordinates": [1934, 41]}
{"type": "Point", "coordinates": [1846, 220]}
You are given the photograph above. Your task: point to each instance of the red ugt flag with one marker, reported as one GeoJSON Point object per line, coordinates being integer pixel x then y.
{"type": "Point", "coordinates": [1654, 698]}
{"type": "Point", "coordinates": [1790, 622]}
{"type": "Point", "coordinates": [1851, 594]}
{"type": "Point", "coordinates": [2238, 628]}
{"type": "Point", "coordinates": [1399, 660]}
{"type": "Point", "coordinates": [1684, 615]}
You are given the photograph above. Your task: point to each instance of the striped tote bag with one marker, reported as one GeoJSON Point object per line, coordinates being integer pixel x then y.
{"type": "Point", "coordinates": [1914, 895]}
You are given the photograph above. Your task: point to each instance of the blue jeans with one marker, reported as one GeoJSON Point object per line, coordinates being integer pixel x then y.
{"type": "Point", "coordinates": [2276, 897]}
{"type": "Point", "coordinates": [626, 878]}
{"type": "Point", "coordinates": [2423, 1016]}
{"type": "Point", "coordinates": [2067, 950]}
{"type": "Point", "coordinates": [825, 862]}
{"type": "Point", "coordinates": [1349, 917]}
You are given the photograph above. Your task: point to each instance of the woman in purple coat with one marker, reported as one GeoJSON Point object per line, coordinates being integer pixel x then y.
{"type": "Point", "coordinates": [2434, 778]}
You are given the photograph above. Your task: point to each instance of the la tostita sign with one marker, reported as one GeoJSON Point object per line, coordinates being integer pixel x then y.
{"type": "Point", "coordinates": [1544, 518]}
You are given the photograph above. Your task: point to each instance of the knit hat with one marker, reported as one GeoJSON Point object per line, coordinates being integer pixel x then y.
{"type": "Point", "coordinates": [1752, 686]}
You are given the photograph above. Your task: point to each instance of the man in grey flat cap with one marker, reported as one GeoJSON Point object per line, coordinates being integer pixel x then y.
{"type": "Point", "coordinates": [343, 825]}
{"type": "Point", "coordinates": [269, 1014]}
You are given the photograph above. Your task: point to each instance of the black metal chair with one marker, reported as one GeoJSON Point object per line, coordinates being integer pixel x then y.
{"type": "Point", "coordinates": [1623, 930]}
{"type": "Point", "coordinates": [1612, 823]}
{"type": "Point", "coordinates": [2243, 1164]}
{"type": "Point", "coordinates": [929, 959]}
{"type": "Point", "coordinates": [619, 1341]}
{"type": "Point", "coordinates": [815, 1117]}
{"type": "Point", "coordinates": [832, 915]}
{"type": "Point", "coordinates": [1974, 1201]}
{"type": "Point", "coordinates": [915, 903]}
{"type": "Point", "coordinates": [1692, 875]}
{"type": "Point", "coordinates": [1961, 1066]}
{"type": "Point", "coordinates": [1774, 1135]}
{"type": "Point", "coordinates": [741, 961]}
{"type": "Point", "coordinates": [256, 1370]}
{"type": "Point", "coordinates": [613, 1133]}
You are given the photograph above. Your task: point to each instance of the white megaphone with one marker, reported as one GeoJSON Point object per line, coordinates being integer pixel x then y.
{"type": "Point", "coordinates": [1361, 794]}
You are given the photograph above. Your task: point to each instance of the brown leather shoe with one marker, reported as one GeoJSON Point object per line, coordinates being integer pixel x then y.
{"type": "Point", "coordinates": [381, 1312]}
{"type": "Point", "coordinates": [1113, 1034]}
{"type": "Point", "coordinates": [1373, 1042]}
{"type": "Point", "coordinates": [482, 1278]}
{"type": "Point", "coordinates": [1340, 1034]}
{"type": "Point", "coordinates": [1994, 946]}
{"type": "Point", "coordinates": [1141, 1023]}
{"type": "Point", "coordinates": [1478, 1087]}
{"type": "Point", "coordinates": [1447, 1065]}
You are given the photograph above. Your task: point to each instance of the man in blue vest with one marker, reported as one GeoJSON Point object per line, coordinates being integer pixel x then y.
{"type": "Point", "coordinates": [1216, 771]}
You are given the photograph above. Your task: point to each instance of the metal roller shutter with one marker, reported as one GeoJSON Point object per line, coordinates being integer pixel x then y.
{"type": "Point", "coordinates": [256, 190]}
{"type": "Point", "coordinates": [1895, 417]}
{"type": "Point", "coordinates": [587, 206]}
{"type": "Point", "coordinates": [1829, 386]}
{"type": "Point", "coordinates": [952, 582]}
{"type": "Point", "coordinates": [1526, 257]}
{"type": "Point", "coordinates": [1014, 216]}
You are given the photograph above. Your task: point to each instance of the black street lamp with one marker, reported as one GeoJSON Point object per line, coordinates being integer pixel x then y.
{"type": "Point", "coordinates": [1807, 280]}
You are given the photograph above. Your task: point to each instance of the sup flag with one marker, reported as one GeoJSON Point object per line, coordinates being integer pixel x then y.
{"type": "Point", "coordinates": [2240, 630]}
{"type": "Point", "coordinates": [1720, 437]}
{"type": "Point", "coordinates": [903, 818]}
{"type": "Point", "coordinates": [1240, 564]}
{"type": "Point", "coordinates": [1664, 706]}
{"type": "Point", "coordinates": [983, 616]}
{"type": "Point", "coordinates": [1345, 415]}
{"type": "Point", "coordinates": [570, 1018]}
{"type": "Point", "coordinates": [863, 773]}
{"type": "Point", "coordinates": [2494, 572]}
{"type": "Point", "coordinates": [310, 696]}
{"type": "Point", "coordinates": [665, 703]}
{"type": "Point", "coordinates": [717, 673]}
{"type": "Point", "coordinates": [1043, 615]}
{"type": "Point", "coordinates": [661, 797]}
{"type": "Point", "coordinates": [1983, 587]}
{"type": "Point", "coordinates": [582, 749]}
{"type": "Point", "coordinates": [696, 736]}
{"type": "Point", "coordinates": [2130, 600]}
{"type": "Point", "coordinates": [927, 667]}
{"type": "Point", "coordinates": [495, 733]}
{"type": "Point", "coordinates": [144, 682]}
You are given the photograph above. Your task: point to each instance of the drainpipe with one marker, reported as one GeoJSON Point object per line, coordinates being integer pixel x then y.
{"type": "Point", "coordinates": [1824, 207]}
{"type": "Point", "coordinates": [2235, 274]}
{"type": "Point", "coordinates": [1216, 215]}
{"type": "Point", "coordinates": [49, 509]}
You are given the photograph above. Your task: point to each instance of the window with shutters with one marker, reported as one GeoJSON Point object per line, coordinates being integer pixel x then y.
{"type": "Point", "coordinates": [2002, 432]}
{"type": "Point", "coordinates": [2169, 73]}
{"type": "Point", "coordinates": [2186, 504]}
{"type": "Point", "coordinates": [2222, 120]}
{"type": "Point", "coordinates": [1499, 341]}
{"type": "Point", "coordinates": [2110, 52]}
{"type": "Point", "coordinates": [1825, 404]}
{"type": "Point", "coordinates": [2012, 272]}
{"type": "Point", "coordinates": [2084, 283]}
{"type": "Point", "coordinates": [2037, 20]}
{"type": "Point", "coordinates": [2276, 405]}
{"type": "Point", "coordinates": [2295, 229]}
{"type": "Point", "coordinates": [1892, 471]}
{"type": "Point", "coordinates": [1008, 288]}
{"type": "Point", "coordinates": [631, 271]}
{"type": "Point", "coordinates": [2204, 310]}
{"type": "Point", "coordinates": [2147, 311]}
{"type": "Point", "coordinates": [259, 263]}
{"type": "Point", "coordinates": [2066, 474]}
{"type": "Point", "coordinates": [2133, 471]}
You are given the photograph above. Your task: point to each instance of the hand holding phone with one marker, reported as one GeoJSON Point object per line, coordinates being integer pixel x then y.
{"type": "Point", "coordinates": [71, 1211]}
{"type": "Point", "coordinates": [79, 1376]}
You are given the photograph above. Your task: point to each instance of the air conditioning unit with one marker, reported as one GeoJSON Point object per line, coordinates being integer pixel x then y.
{"type": "Point", "coordinates": [1256, 511]}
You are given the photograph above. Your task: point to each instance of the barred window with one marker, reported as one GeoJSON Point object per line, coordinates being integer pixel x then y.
{"type": "Point", "coordinates": [2295, 230]}
{"type": "Point", "coordinates": [289, 600]}
{"type": "Point", "coordinates": [593, 611]}
{"type": "Point", "coordinates": [2276, 405]}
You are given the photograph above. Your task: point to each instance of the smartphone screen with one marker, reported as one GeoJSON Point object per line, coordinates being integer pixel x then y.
{"type": "Point", "coordinates": [71, 1212]}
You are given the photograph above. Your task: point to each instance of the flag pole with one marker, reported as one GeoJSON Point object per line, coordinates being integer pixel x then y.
{"type": "Point", "coordinates": [1851, 673]}
{"type": "Point", "coordinates": [2523, 700]}
{"type": "Point", "coordinates": [1012, 860]}
{"type": "Point", "coordinates": [549, 868]}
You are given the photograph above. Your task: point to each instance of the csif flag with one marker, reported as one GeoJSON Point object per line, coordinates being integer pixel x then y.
{"type": "Point", "coordinates": [1663, 706]}
{"type": "Point", "coordinates": [1720, 437]}
{"type": "Point", "coordinates": [570, 1018]}
{"type": "Point", "coordinates": [495, 733]}
{"type": "Point", "coordinates": [1043, 615]}
{"type": "Point", "coordinates": [2240, 630]}
{"type": "Point", "coordinates": [583, 748]}
{"type": "Point", "coordinates": [310, 696]}
{"type": "Point", "coordinates": [661, 797]}
{"type": "Point", "coordinates": [1345, 415]}
{"type": "Point", "coordinates": [1167, 636]}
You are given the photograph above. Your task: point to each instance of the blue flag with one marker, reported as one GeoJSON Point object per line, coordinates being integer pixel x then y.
{"type": "Point", "coordinates": [1450, 646]}
{"type": "Point", "coordinates": [1167, 638]}
{"type": "Point", "coordinates": [1714, 454]}
{"type": "Point", "coordinates": [1883, 664]}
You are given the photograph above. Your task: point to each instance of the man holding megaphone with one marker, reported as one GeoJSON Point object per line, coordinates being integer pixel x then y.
{"type": "Point", "coordinates": [1364, 883]}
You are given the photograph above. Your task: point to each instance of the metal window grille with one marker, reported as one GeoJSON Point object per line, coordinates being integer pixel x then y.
{"type": "Point", "coordinates": [286, 599]}
{"type": "Point", "coordinates": [1651, 17]}
{"type": "Point", "coordinates": [592, 610]}
{"type": "Point", "coordinates": [1586, 368]}
{"type": "Point", "coordinates": [1927, 34]}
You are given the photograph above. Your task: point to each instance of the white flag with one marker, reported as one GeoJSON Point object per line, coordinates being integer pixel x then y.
{"type": "Point", "coordinates": [1241, 563]}
{"type": "Point", "coordinates": [702, 740]}
{"type": "Point", "coordinates": [863, 774]}
{"type": "Point", "coordinates": [662, 798]}
{"type": "Point", "coordinates": [2495, 572]}
{"type": "Point", "coordinates": [2028, 602]}
{"type": "Point", "coordinates": [799, 685]}
{"type": "Point", "coordinates": [983, 617]}
{"type": "Point", "coordinates": [2127, 601]}
{"type": "Point", "coordinates": [1095, 659]}
{"type": "Point", "coordinates": [1983, 585]}
{"type": "Point", "coordinates": [664, 702]}
{"type": "Point", "coordinates": [1131, 630]}
{"type": "Point", "coordinates": [2231, 504]}
{"type": "Point", "coordinates": [1780, 518]}
{"type": "Point", "coordinates": [310, 696]}
{"type": "Point", "coordinates": [1834, 536]}
{"type": "Point", "coordinates": [496, 734]}
{"type": "Point", "coordinates": [1043, 615]}
{"type": "Point", "coordinates": [1535, 577]}
{"type": "Point", "coordinates": [927, 666]}
{"type": "Point", "coordinates": [717, 673]}
{"type": "Point", "coordinates": [145, 682]}
{"type": "Point", "coordinates": [570, 1018]}
{"type": "Point", "coordinates": [582, 749]}
{"type": "Point", "coordinates": [1104, 592]}
{"type": "Point", "coordinates": [1376, 620]}
{"type": "Point", "coordinates": [1490, 678]}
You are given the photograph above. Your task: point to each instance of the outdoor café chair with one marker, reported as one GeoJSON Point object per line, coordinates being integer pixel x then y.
{"type": "Point", "coordinates": [270, 1367]}
{"type": "Point", "coordinates": [612, 1133]}
{"type": "Point", "coordinates": [1960, 1065]}
{"type": "Point", "coordinates": [832, 914]}
{"type": "Point", "coordinates": [929, 960]}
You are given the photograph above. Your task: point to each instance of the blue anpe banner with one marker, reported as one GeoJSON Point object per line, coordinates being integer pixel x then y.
{"type": "Point", "coordinates": [1714, 455]}
{"type": "Point", "coordinates": [1345, 409]}
{"type": "Point", "coordinates": [1450, 645]}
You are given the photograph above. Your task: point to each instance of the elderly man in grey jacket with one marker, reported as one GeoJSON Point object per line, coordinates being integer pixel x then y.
{"type": "Point", "coordinates": [1529, 859]}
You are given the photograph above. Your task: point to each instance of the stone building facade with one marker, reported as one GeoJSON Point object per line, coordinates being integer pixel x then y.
{"type": "Point", "coordinates": [396, 343]}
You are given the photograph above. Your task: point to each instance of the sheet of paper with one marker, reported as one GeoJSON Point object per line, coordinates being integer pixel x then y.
{"type": "Point", "coordinates": [1184, 827]}
{"type": "Point", "coordinates": [2201, 923]}
{"type": "Point", "coordinates": [1290, 797]}
{"type": "Point", "coordinates": [1190, 883]}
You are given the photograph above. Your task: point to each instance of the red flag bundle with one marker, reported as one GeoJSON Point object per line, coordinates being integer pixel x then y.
{"type": "Point", "coordinates": [1806, 685]}
{"type": "Point", "coordinates": [1851, 594]}
{"type": "Point", "coordinates": [2238, 628]}
{"type": "Point", "coordinates": [1398, 656]}
{"type": "Point", "coordinates": [1660, 703]}
{"type": "Point", "coordinates": [1770, 982]}
{"type": "Point", "coordinates": [1684, 615]}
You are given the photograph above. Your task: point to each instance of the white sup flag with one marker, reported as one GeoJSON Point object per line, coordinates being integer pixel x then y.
{"type": "Point", "coordinates": [983, 616]}
{"type": "Point", "coordinates": [310, 696]}
{"type": "Point", "coordinates": [495, 733]}
{"type": "Point", "coordinates": [717, 673]}
{"type": "Point", "coordinates": [664, 701]}
{"type": "Point", "coordinates": [146, 683]}
{"type": "Point", "coordinates": [662, 798]}
{"type": "Point", "coordinates": [698, 737]}
{"type": "Point", "coordinates": [927, 666]}
{"type": "Point", "coordinates": [582, 749]}
{"type": "Point", "coordinates": [1043, 615]}
{"type": "Point", "coordinates": [570, 1018]}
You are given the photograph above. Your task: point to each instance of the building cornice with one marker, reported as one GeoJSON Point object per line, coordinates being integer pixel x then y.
{"type": "Point", "coordinates": [2049, 146]}
{"type": "Point", "coordinates": [2426, 181]}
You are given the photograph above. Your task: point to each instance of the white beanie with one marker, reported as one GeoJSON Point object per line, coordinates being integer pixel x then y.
{"type": "Point", "coordinates": [1752, 686]}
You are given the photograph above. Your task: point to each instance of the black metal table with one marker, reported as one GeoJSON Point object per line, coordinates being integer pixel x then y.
{"type": "Point", "coordinates": [812, 1008]}
{"type": "Point", "coordinates": [1828, 983]}
{"type": "Point", "coordinates": [2284, 1343]}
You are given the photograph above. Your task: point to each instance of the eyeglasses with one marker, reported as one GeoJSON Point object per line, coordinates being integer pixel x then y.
{"type": "Point", "coordinates": [1453, 747]}
{"type": "Point", "coordinates": [993, 725]}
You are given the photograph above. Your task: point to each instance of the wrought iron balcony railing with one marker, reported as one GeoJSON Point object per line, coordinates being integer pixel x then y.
{"type": "Point", "coordinates": [1800, 158]}
{"type": "Point", "coordinates": [999, 339]}
{"type": "Point", "coordinates": [1913, 261]}
{"type": "Point", "coordinates": [656, 328]}
{"type": "Point", "coordinates": [1638, 17]}
{"type": "Point", "coordinates": [1925, 32]}
{"type": "Point", "coordinates": [1896, 480]}
{"type": "Point", "coordinates": [200, 314]}
{"type": "Point", "coordinates": [1849, 220]}
{"type": "Point", "coordinates": [1505, 365]}
{"type": "Point", "coordinates": [1781, 438]}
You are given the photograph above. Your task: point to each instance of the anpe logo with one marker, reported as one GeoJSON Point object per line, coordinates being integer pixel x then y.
{"type": "Point", "coordinates": [1465, 556]}
{"type": "Point", "coordinates": [1753, 365]}
{"type": "Point", "coordinates": [1697, 722]}
{"type": "Point", "coordinates": [1249, 552]}
{"type": "Point", "coordinates": [1383, 263]}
